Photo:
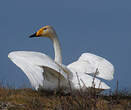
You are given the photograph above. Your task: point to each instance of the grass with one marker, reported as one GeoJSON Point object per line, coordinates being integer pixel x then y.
{"type": "Point", "coordinates": [28, 99]}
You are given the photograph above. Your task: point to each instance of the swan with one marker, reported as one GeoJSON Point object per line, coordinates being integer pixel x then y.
{"type": "Point", "coordinates": [48, 74]}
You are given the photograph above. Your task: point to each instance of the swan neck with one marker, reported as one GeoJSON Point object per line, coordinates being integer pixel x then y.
{"type": "Point", "coordinates": [57, 49]}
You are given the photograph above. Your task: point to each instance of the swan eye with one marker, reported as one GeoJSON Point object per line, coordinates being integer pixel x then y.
{"type": "Point", "coordinates": [45, 29]}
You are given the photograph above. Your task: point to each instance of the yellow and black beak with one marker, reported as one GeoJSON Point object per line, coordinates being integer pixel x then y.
{"type": "Point", "coordinates": [33, 35]}
{"type": "Point", "coordinates": [37, 34]}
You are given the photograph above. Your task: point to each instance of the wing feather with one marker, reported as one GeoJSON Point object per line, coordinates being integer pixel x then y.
{"type": "Point", "coordinates": [34, 65]}
{"type": "Point", "coordinates": [88, 63]}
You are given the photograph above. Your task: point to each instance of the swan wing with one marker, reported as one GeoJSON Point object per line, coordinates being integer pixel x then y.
{"type": "Point", "coordinates": [88, 63]}
{"type": "Point", "coordinates": [37, 67]}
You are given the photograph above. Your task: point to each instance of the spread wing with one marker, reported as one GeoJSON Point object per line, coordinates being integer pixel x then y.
{"type": "Point", "coordinates": [37, 67]}
{"type": "Point", "coordinates": [89, 63]}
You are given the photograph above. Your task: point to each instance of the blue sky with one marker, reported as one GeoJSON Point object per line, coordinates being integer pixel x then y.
{"type": "Point", "coordinates": [98, 26]}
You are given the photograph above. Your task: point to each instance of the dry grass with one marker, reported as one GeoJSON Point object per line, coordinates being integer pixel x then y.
{"type": "Point", "coordinates": [28, 99]}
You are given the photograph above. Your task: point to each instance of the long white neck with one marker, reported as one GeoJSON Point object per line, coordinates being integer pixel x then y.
{"type": "Point", "coordinates": [57, 49]}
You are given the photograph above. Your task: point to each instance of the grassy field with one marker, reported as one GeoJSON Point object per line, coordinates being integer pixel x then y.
{"type": "Point", "coordinates": [28, 99]}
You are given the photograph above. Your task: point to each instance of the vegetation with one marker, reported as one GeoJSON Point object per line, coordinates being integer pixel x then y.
{"type": "Point", "coordinates": [91, 99]}
{"type": "Point", "coordinates": [28, 99]}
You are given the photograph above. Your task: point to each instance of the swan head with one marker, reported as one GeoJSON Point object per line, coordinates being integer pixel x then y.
{"type": "Point", "coordinates": [46, 31]}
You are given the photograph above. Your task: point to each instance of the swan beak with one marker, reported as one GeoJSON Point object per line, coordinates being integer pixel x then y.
{"type": "Point", "coordinates": [33, 35]}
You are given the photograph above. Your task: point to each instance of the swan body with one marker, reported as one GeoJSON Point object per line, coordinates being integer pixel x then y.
{"type": "Point", "coordinates": [48, 74]}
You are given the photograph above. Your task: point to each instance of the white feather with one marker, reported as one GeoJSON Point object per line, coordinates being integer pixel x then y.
{"type": "Point", "coordinates": [33, 63]}
{"type": "Point", "coordinates": [88, 63]}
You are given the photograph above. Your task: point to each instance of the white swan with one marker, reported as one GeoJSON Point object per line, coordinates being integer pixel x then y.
{"type": "Point", "coordinates": [48, 74]}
